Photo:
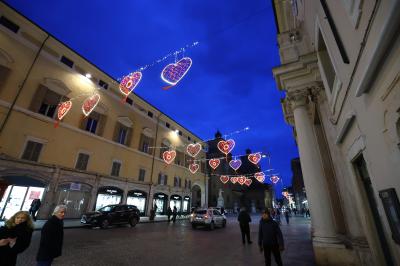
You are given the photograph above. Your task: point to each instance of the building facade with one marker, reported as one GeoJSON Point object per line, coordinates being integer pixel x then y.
{"type": "Point", "coordinates": [340, 74]}
{"type": "Point", "coordinates": [254, 198]}
{"type": "Point", "coordinates": [111, 156]}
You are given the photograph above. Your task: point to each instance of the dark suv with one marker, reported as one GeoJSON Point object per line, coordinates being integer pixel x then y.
{"type": "Point", "coordinates": [112, 214]}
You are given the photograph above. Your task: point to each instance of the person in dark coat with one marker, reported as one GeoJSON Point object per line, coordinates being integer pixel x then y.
{"type": "Point", "coordinates": [51, 239]}
{"type": "Point", "coordinates": [174, 213]}
{"type": "Point", "coordinates": [287, 216]}
{"type": "Point", "coordinates": [244, 220]}
{"type": "Point", "coordinates": [15, 237]}
{"type": "Point", "coordinates": [169, 213]}
{"type": "Point", "coordinates": [35, 205]}
{"type": "Point", "coordinates": [270, 239]}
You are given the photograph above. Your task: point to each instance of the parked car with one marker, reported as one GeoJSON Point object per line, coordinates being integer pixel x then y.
{"type": "Point", "coordinates": [112, 214]}
{"type": "Point", "coordinates": [209, 217]}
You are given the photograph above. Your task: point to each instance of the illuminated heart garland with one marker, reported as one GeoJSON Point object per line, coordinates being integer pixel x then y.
{"type": "Point", "coordinates": [234, 179]}
{"type": "Point", "coordinates": [274, 179]}
{"type": "Point", "coordinates": [63, 109]}
{"type": "Point", "coordinates": [193, 167]}
{"type": "Point", "coordinates": [169, 156]}
{"type": "Point", "coordinates": [254, 157]}
{"type": "Point", "coordinates": [129, 83]}
{"type": "Point", "coordinates": [173, 73]}
{"type": "Point", "coordinates": [90, 103]}
{"type": "Point", "coordinates": [260, 176]}
{"type": "Point", "coordinates": [241, 180]}
{"type": "Point", "coordinates": [235, 164]}
{"type": "Point", "coordinates": [214, 163]}
{"type": "Point", "coordinates": [224, 179]}
{"type": "Point", "coordinates": [248, 182]}
{"type": "Point", "coordinates": [193, 149]}
{"type": "Point", "coordinates": [226, 146]}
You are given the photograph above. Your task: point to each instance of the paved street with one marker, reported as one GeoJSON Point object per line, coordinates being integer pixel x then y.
{"type": "Point", "coordinates": [173, 244]}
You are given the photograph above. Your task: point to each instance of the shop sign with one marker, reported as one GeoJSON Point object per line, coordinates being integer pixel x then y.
{"type": "Point", "coordinates": [139, 194]}
{"type": "Point", "coordinates": [160, 196]}
{"type": "Point", "coordinates": [186, 198]}
{"type": "Point", "coordinates": [75, 186]}
{"type": "Point", "coordinates": [111, 191]}
{"type": "Point", "coordinates": [175, 197]}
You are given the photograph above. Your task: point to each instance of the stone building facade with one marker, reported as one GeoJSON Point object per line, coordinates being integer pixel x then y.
{"type": "Point", "coordinates": [340, 74]}
{"type": "Point", "coordinates": [112, 156]}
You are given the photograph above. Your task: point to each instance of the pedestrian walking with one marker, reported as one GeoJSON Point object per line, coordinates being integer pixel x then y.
{"type": "Point", "coordinates": [278, 216]}
{"type": "Point", "coordinates": [51, 239]}
{"type": "Point", "coordinates": [35, 205]}
{"type": "Point", "coordinates": [15, 237]}
{"type": "Point", "coordinates": [174, 213]}
{"type": "Point", "coordinates": [270, 239]}
{"type": "Point", "coordinates": [308, 213]}
{"type": "Point", "coordinates": [244, 220]}
{"type": "Point", "coordinates": [287, 216]}
{"type": "Point", "coordinates": [169, 212]}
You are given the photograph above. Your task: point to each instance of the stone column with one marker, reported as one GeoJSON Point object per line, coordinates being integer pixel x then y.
{"type": "Point", "coordinates": [314, 179]}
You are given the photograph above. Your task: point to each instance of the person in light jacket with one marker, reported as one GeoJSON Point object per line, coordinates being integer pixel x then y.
{"type": "Point", "coordinates": [270, 239]}
{"type": "Point", "coordinates": [51, 240]}
{"type": "Point", "coordinates": [15, 237]}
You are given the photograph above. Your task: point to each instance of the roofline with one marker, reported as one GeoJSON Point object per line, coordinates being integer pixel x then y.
{"type": "Point", "coordinates": [93, 65]}
{"type": "Point", "coordinates": [275, 16]}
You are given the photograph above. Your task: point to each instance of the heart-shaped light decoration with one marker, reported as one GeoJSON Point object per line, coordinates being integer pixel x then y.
{"type": "Point", "coordinates": [274, 179]}
{"type": "Point", "coordinates": [234, 179]}
{"type": "Point", "coordinates": [193, 149]}
{"type": "Point", "coordinates": [214, 163]}
{"type": "Point", "coordinates": [169, 156]}
{"type": "Point", "coordinates": [226, 146]}
{"type": "Point", "coordinates": [260, 176]}
{"type": "Point", "coordinates": [90, 103]}
{"type": "Point", "coordinates": [248, 182]}
{"type": "Point", "coordinates": [194, 167]}
{"type": "Point", "coordinates": [241, 180]}
{"type": "Point", "coordinates": [235, 164]}
{"type": "Point", "coordinates": [63, 109]}
{"type": "Point", "coordinates": [173, 73]}
{"type": "Point", "coordinates": [129, 83]}
{"type": "Point", "coordinates": [254, 157]}
{"type": "Point", "coordinates": [224, 179]}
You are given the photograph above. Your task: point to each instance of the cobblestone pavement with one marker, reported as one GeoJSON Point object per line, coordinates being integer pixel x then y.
{"type": "Point", "coordinates": [174, 244]}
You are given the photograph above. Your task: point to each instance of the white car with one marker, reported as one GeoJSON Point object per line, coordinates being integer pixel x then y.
{"type": "Point", "coordinates": [209, 217]}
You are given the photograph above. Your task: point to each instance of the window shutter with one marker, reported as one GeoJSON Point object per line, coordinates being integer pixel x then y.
{"type": "Point", "coordinates": [101, 125]}
{"type": "Point", "coordinates": [165, 179]}
{"type": "Point", "coordinates": [116, 131]}
{"type": "Point", "coordinates": [82, 122]}
{"type": "Point", "coordinates": [37, 147]}
{"type": "Point", "coordinates": [28, 150]}
{"type": "Point", "coordinates": [129, 137]}
{"type": "Point", "coordinates": [38, 98]}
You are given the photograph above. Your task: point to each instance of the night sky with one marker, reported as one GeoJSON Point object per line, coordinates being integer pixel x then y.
{"type": "Point", "coordinates": [230, 84]}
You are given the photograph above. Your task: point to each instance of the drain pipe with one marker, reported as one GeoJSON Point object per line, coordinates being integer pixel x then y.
{"type": "Point", "coordinates": [22, 86]}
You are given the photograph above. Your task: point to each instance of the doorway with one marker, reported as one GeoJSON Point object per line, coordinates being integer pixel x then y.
{"type": "Point", "coordinates": [362, 171]}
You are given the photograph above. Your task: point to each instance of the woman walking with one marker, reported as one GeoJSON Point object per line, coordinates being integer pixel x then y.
{"type": "Point", "coordinates": [51, 239]}
{"type": "Point", "coordinates": [15, 237]}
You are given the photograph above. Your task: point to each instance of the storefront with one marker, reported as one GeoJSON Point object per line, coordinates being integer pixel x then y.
{"type": "Point", "coordinates": [160, 201]}
{"type": "Point", "coordinates": [186, 204]}
{"type": "Point", "coordinates": [19, 195]}
{"type": "Point", "coordinates": [75, 196]}
{"type": "Point", "coordinates": [137, 198]}
{"type": "Point", "coordinates": [175, 201]}
{"type": "Point", "coordinates": [108, 196]}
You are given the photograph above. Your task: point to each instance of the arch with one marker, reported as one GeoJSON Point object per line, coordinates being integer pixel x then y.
{"type": "Point", "coordinates": [25, 174]}
{"type": "Point", "coordinates": [5, 59]}
{"type": "Point", "coordinates": [23, 181]}
{"type": "Point", "coordinates": [108, 195]}
{"type": "Point", "coordinates": [160, 201]}
{"type": "Point", "coordinates": [148, 132]}
{"type": "Point", "coordinates": [85, 186]}
{"type": "Point", "coordinates": [57, 86]}
{"type": "Point", "coordinates": [138, 198]}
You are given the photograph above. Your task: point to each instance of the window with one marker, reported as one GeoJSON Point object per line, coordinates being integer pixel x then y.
{"type": "Point", "coordinates": [179, 159]}
{"type": "Point", "coordinates": [145, 143]}
{"type": "Point", "coordinates": [67, 61]}
{"type": "Point", "coordinates": [180, 133]}
{"type": "Point", "coordinates": [150, 114]}
{"type": "Point", "coordinates": [163, 149]}
{"type": "Point", "coordinates": [9, 24]}
{"type": "Point", "coordinates": [45, 101]}
{"type": "Point", "coordinates": [129, 101]}
{"type": "Point", "coordinates": [32, 151]}
{"type": "Point", "coordinates": [91, 125]}
{"type": "Point", "coordinates": [176, 181]}
{"type": "Point", "coordinates": [103, 84]}
{"type": "Point", "coordinates": [186, 183]}
{"type": "Point", "coordinates": [82, 162]}
{"type": "Point", "coordinates": [180, 182]}
{"type": "Point", "coordinates": [167, 125]}
{"type": "Point", "coordinates": [142, 174]}
{"type": "Point", "coordinates": [116, 166]}
{"type": "Point", "coordinates": [121, 134]}
{"type": "Point", "coordinates": [326, 63]}
{"type": "Point", "coordinates": [162, 179]}
{"type": "Point", "coordinates": [189, 139]}
{"type": "Point", "coordinates": [190, 184]}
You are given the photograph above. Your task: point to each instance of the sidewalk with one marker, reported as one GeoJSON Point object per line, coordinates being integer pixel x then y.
{"type": "Point", "coordinates": [75, 223]}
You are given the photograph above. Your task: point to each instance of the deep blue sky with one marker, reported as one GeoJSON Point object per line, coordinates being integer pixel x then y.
{"type": "Point", "coordinates": [230, 85]}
